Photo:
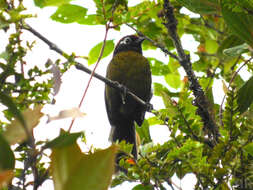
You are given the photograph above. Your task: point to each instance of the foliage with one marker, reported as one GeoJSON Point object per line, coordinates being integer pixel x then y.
{"type": "Point", "coordinates": [223, 29]}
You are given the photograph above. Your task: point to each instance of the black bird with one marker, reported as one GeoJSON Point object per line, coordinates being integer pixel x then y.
{"type": "Point", "coordinates": [131, 69]}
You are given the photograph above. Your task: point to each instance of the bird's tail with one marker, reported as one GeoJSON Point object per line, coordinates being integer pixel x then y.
{"type": "Point", "coordinates": [124, 130]}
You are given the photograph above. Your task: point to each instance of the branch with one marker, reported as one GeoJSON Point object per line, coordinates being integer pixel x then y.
{"type": "Point", "coordinates": [79, 66]}
{"type": "Point", "coordinates": [51, 45]}
{"type": "Point", "coordinates": [154, 43]}
{"type": "Point", "coordinates": [184, 60]}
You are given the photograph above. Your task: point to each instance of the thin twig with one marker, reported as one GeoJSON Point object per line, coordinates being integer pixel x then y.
{"type": "Point", "coordinates": [153, 42]}
{"type": "Point", "coordinates": [200, 99]}
{"type": "Point", "coordinates": [93, 71]}
{"type": "Point", "coordinates": [230, 82]}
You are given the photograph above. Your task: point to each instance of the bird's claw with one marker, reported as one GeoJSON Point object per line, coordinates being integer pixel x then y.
{"type": "Point", "coordinates": [149, 107]}
{"type": "Point", "coordinates": [123, 93]}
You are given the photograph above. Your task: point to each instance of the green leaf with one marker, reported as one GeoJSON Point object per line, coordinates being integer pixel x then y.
{"type": "Point", "coordinates": [173, 79]}
{"type": "Point", "coordinates": [44, 3]}
{"type": "Point", "coordinates": [7, 101]}
{"type": "Point", "coordinates": [65, 139]}
{"type": "Point", "coordinates": [237, 50]}
{"type": "Point", "coordinates": [7, 159]}
{"type": "Point", "coordinates": [95, 51]}
{"type": "Point", "coordinates": [249, 148]}
{"type": "Point", "coordinates": [159, 88]}
{"type": "Point", "coordinates": [143, 132]}
{"type": "Point", "coordinates": [239, 22]}
{"type": "Point", "coordinates": [71, 169]}
{"type": "Point", "coordinates": [211, 46]}
{"type": "Point", "coordinates": [143, 187]}
{"type": "Point", "coordinates": [201, 6]}
{"type": "Point", "coordinates": [157, 67]}
{"type": "Point", "coordinates": [245, 98]}
{"type": "Point", "coordinates": [227, 43]}
{"type": "Point", "coordinates": [89, 20]}
{"type": "Point", "coordinates": [69, 13]}
{"type": "Point", "coordinates": [3, 4]}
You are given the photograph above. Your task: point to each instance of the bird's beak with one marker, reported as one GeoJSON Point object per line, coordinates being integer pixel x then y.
{"type": "Point", "coordinates": [140, 40]}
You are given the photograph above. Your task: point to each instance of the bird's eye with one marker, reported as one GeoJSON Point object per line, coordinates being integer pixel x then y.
{"type": "Point", "coordinates": [126, 41]}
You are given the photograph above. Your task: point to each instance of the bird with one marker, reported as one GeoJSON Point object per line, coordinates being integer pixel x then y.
{"type": "Point", "coordinates": [131, 69]}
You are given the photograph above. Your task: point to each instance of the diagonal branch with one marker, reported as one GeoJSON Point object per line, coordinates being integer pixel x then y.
{"type": "Point", "coordinates": [184, 60]}
{"type": "Point", "coordinates": [153, 42]}
{"type": "Point", "coordinates": [81, 67]}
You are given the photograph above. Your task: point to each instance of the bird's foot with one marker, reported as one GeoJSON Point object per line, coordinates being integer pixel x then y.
{"type": "Point", "coordinates": [149, 107]}
{"type": "Point", "coordinates": [123, 93]}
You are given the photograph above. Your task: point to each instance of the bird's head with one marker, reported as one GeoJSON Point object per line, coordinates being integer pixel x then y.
{"type": "Point", "coordinates": [129, 43]}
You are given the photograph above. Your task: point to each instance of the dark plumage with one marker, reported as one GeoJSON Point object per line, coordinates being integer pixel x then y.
{"type": "Point", "coordinates": [132, 70]}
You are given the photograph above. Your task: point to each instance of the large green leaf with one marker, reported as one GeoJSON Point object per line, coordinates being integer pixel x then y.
{"type": "Point", "coordinates": [71, 169]}
{"type": "Point", "coordinates": [44, 3]}
{"type": "Point", "coordinates": [245, 98]}
{"type": "Point", "coordinates": [240, 23]}
{"type": "Point", "coordinates": [7, 159]}
{"type": "Point", "coordinates": [95, 51]}
{"type": "Point", "coordinates": [68, 13]}
{"type": "Point", "coordinates": [201, 6]}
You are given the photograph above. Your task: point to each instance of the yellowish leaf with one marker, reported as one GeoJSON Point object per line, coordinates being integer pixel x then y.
{"type": "Point", "coordinates": [15, 132]}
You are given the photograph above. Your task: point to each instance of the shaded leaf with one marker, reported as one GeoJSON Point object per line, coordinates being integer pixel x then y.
{"type": "Point", "coordinates": [237, 50]}
{"type": "Point", "coordinates": [245, 98]}
{"type": "Point", "coordinates": [227, 43]}
{"type": "Point", "coordinates": [240, 23]}
{"type": "Point", "coordinates": [44, 3]}
{"type": "Point", "coordinates": [7, 159]}
{"type": "Point", "coordinates": [143, 187]}
{"type": "Point", "coordinates": [201, 6]}
{"type": "Point", "coordinates": [95, 51]}
{"type": "Point", "coordinates": [15, 133]}
{"type": "Point", "coordinates": [71, 169]}
{"type": "Point", "coordinates": [68, 13]}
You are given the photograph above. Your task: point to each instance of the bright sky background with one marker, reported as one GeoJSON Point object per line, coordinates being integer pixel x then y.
{"type": "Point", "coordinates": [80, 39]}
